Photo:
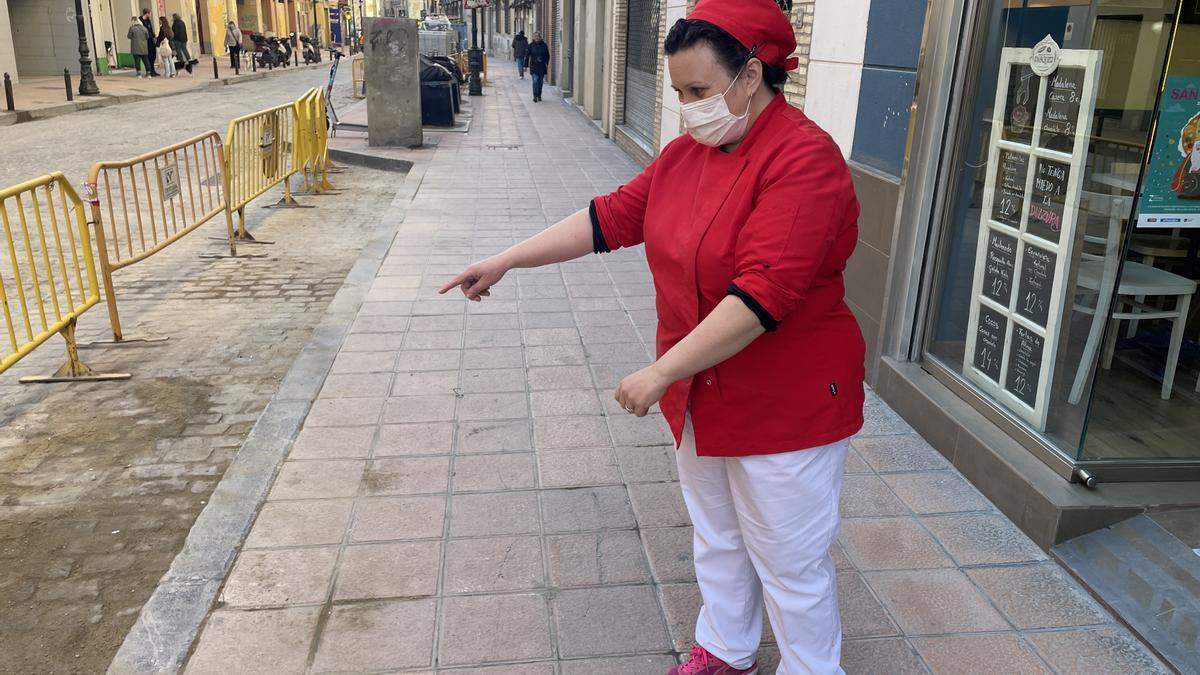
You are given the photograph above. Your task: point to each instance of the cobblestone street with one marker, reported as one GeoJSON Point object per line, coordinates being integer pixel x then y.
{"type": "Point", "coordinates": [99, 483]}
{"type": "Point", "coordinates": [465, 496]}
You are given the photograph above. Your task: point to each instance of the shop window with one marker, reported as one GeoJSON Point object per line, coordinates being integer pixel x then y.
{"type": "Point", "coordinates": [1065, 276]}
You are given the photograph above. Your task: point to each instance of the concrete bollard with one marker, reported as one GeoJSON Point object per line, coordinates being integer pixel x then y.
{"type": "Point", "coordinates": [216, 73]}
{"type": "Point", "coordinates": [8, 94]}
{"type": "Point", "coordinates": [67, 84]}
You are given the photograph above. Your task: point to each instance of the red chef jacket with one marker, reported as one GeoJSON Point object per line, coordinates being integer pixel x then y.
{"type": "Point", "coordinates": [773, 223]}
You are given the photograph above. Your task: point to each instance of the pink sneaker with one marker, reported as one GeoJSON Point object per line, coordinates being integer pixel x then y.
{"type": "Point", "coordinates": [704, 663]}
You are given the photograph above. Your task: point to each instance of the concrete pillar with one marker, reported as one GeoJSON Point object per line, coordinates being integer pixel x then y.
{"type": "Point", "coordinates": [8, 55]}
{"type": "Point", "coordinates": [394, 92]}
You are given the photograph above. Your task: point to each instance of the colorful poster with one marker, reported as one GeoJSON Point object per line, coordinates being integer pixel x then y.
{"type": "Point", "coordinates": [1171, 190]}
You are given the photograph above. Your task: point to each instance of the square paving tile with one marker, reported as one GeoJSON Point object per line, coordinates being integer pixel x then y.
{"type": "Point", "coordinates": [474, 437]}
{"type": "Point", "coordinates": [536, 337]}
{"type": "Point", "coordinates": [869, 496]}
{"type": "Point", "coordinates": [498, 406]}
{"type": "Point", "coordinates": [982, 538]}
{"type": "Point", "coordinates": [559, 377]}
{"type": "Point", "coordinates": [555, 355]}
{"type": "Point", "coordinates": [937, 492]}
{"type": "Point", "coordinates": [373, 342]}
{"type": "Point", "coordinates": [645, 431]}
{"type": "Point", "coordinates": [1038, 596]}
{"type": "Point", "coordinates": [494, 513]}
{"type": "Point", "coordinates": [497, 472]}
{"type": "Point", "coordinates": [551, 433]}
{"type": "Point", "coordinates": [619, 665]}
{"type": "Point", "coordinates": [477, 339]}
{"type": "Point", "coordinates": [428, 359]}
{"type": "Point", "coordinates": [862, 657]}
{"type": "Point", "coordinates": [494, 380]}
{"type": "Point", "coordinates": [407, 476]}
{"type": "Point", "coordinates": [399, 570]}
{"type": "Point", "coordinates": [648, 465]}
{"type": "Point", "coordinates": [333, 443]}
{"type": "Point", "coordinates": [493, 564]}
{"type": "Point", "coordinates": [364, 362]}
{"type": "Point", "coordinates": [266, 642]}
{"type": "Point", "coordinates": [601, 621]}
{"type": "Point", "coordinates": [566, 402]}
{"type": "Point", "coordinates": [421, 324]}
{"type": "Point", "coordinates": [428, 438]}
{"type": "Point", "coordinates": [357, 385]}
{"type": "Point", "coordinates": [341, 412]}
{"type": "Point", "coordinates": [980, 655]}
{"type": "Point", "coordinates": [407, 409]}
{"type": "Point", "coordinates": [390, 635]}
{"type": "Point", "coordinates": [670, 553]}
{"type": "Point", "coordinates": [888, 454]}
{"type": "Point", "coordinates": [682, 603]}
{"type": "Point", "coordinates": [494, 357]}
{"type": "Point", "coordinates": [890, 544]}
{"type": "Point", "coordinates": [284, 577]}
{"type": "Point", "coordinates": [318, 479]}
{"type": "Point", "coordinates": [659, 505]}
{"type": "Point", "coordinates": [862, 615]}
{"type": "Point", "coordinates": [306, 523]}
{"type": "Point", "coordinates": [490, 628]}
{"type": "Point", "coordinates": [576, 468]}
{"type": "Point", "coordinates": [932, 602]}
{"type": "Point", "coordinates": [426, 382]}
{"type": "Point", "coordinates": [1106, 651]}
{"type": "Point", "coordinates": [388, 518]}
{"type": "Point", "coordinates": [441, 339]}
{"type": "Point", "coordinates": [593, 558]}
{"type": "Point", "coordinates": [585, 509]}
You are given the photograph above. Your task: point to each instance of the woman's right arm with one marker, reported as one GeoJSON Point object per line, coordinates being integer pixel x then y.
{"type": "Point", "coordinates": [568, 239]}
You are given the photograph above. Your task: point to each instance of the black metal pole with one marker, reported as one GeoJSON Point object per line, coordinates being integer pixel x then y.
{"type": "Point", "coordinates": [216, 73]}
{"type": "Point", "coordinates": [87, 82]}
{"type": "Point", "coordinates": [67, 84]}
{"type": "Point", "coordinates": [8, 94]}
{"type": "Point", "coordinates": [475, 58]}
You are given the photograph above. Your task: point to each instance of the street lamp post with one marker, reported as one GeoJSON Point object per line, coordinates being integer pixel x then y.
{"type": "Point", "coordinates": [87, 82]}
{"type": "Point", "coordinates": [316, 33]}
{"type": "Point", "coordinates": [475, 57]}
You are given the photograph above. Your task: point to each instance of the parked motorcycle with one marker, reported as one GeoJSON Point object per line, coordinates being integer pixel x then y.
{"type": "Point", "coordinates": [283, 51]}
{"type": "Point", "coordinates": [264, 54]}
{"type": "Point", "coordinates": [308, 50]}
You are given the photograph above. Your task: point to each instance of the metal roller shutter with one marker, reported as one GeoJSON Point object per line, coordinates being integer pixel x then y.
{"type": "Point", "coordinates": [641, 68]}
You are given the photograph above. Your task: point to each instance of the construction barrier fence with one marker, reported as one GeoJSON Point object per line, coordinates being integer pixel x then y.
{"type": "Point", "coordinates": [313, 155]}
{"type": "Point", "coordinates": [48, 274]}
{"type": "Point", "coordinates": [144, 204]}
{"type": "Point", "coordinates": [358, 76]}
{"type": "Point", "coordinates": [261, 152]}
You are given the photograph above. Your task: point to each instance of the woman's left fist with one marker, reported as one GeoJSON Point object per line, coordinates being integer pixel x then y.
{"type": "Point", "coordinates": [641, 390]}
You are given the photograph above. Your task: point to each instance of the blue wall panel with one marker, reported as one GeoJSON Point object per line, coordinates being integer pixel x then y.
{"type": "Point", "coordinates": [881, 131]}
{"type": "Point", "coordinates": [894, 33]}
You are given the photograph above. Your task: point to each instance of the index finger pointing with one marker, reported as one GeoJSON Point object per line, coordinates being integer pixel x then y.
{"type": "Point", "coordinates": [457, 281]}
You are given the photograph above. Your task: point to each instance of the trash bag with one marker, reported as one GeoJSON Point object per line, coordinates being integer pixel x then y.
{"type": "Point", "coordinates": [432, 71]}
{"type": "Point", "coordinates": [451, 65]}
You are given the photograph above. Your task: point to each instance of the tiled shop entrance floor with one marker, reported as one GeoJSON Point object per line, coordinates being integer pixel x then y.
{"type": "Point", "coordinates": [465, 494]}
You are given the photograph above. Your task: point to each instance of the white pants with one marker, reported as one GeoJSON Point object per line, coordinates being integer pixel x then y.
{"type": "Point", "coordinates": [167, 63]}
{"type": "Point", "coordinates": [763, 529]}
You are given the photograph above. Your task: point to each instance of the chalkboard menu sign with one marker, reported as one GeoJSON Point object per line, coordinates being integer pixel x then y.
{"type": "Point", "coordinates": [1047, 209]}
{"type": "Point", "coordinates": [1000, 264]}
{"type": "Point", "coordinates": [1041, 128]}
{"type": "Point", "coordinates": [1060, 112]}
{"type": "Point", "coordinates": [1037, 284]}
{"type": "Point", "coordinates": [1024, 90]}
{"type": "Point", "coordinates": [1009, 201]}
{"type": "Point", "coordinates": [989, 342]}
{"type": "Point", "coordinates": [1026, 350]}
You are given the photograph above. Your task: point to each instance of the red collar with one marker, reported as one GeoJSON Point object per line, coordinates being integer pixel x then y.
{"type": "Point", "coordinates": [764, 120]}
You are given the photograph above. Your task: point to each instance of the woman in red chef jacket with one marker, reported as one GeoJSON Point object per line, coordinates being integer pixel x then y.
{"type": "Point", "coordinates": [748, 222]}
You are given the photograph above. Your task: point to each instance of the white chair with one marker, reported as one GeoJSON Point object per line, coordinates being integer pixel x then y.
{"type": "Point", "coordinates": [1097, 275]}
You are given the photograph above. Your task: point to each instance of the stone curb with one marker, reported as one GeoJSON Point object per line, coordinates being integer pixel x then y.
{"type": "Point", "coordinates": [370, 161]}
{"type": "Point", "coordinates": [170, 621]}
{"type": "Point", "coordinates": [104, 100]}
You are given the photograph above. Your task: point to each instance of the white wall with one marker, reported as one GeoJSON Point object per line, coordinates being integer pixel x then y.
{"type": "Point", "coordinates": [835, 67]}
{"type": "Point", "coordinates": [8, 55]}
{"type": "Point", "coordinates": [670, 122]}
{"type": "Point", "coordinates": [45, 37]}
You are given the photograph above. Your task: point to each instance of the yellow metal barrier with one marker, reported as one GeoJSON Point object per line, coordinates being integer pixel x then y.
{"type": "Point", "coordinates": [358, 76]}
{"type": "Point", "coordinates": [48, 279]}
{"type": "Point", "coordinates": [260, 153]}
{"type": "Point", "coordinates": [312, 157]}
{"type": "Point", "coordinates": [144, 204]}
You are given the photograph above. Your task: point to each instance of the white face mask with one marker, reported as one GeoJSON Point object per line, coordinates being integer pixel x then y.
{"type": "Point", "coordinates": [710, 121]}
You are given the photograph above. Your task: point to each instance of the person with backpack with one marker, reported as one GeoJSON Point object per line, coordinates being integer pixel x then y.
{"type": "Point", "coordinates": [520, 46]}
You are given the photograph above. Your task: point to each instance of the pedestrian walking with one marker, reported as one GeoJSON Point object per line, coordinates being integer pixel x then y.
{"type": "Point", "coordinates": [748, 222]}
{"type": "Point", "coordinates": [180, 43]}
{"type": "Point", "coordinates": [539, 63]}
{"type": "Point", "coordinates": [520, 47]}
{"type": "Point", "coordinates": [152, 55]}
{"type": "Point", "coordinates": [233, 42]}
{"type": "Point", "coordinates": [166, 55]}
{"type": "Point", "coordinates": [139, 46]}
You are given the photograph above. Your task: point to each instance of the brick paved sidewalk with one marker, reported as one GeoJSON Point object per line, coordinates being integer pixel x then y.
{"type": "Point", "coordinates": [465, 496]}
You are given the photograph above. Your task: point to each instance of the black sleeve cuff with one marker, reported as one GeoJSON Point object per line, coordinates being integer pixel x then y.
{"type": "Point", "coordinates": [598, 243]}
{"type": "Point", "coordinates": [768, 322]}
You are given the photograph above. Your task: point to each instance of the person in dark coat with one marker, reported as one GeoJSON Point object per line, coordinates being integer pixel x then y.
{"type": "Point", "coordinates": [152, 56]}
{"type": "Point", "coordinates": [539, 64]}
{"type": "Point", "coordinates": [139, 46]}
{"type": "Point", "coordinates": [520, 46]}
{"type": "Point", "coordinates": [180, 42]}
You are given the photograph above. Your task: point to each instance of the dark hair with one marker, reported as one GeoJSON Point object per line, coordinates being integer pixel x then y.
{"type": "Point", "coordinates": [731, 54]}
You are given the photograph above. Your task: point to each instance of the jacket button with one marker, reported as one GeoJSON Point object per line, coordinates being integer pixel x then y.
{"type": "Point", "coordinates": [708, 382]}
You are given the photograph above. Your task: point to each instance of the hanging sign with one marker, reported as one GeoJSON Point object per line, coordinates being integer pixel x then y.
{"type": "Point", "coordinates": [1042, 122]}
{"type": "Point", "coordinates": [1171, 188]}
{"type": "Point", "coordinates": [168, 176]}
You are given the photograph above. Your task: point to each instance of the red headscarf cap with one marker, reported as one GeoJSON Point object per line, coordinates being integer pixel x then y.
{"type": "Point", "coordinates": [754, 23]}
